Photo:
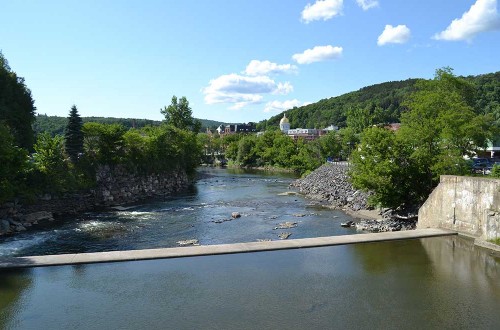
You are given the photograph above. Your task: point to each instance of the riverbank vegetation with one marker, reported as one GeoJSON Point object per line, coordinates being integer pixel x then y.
{"type": "Point", "coordinates": [57, 164]}
{"type": "Point", "coordinates": [273, 149]}
{"type": "Point", "coordinates": [439, 130]}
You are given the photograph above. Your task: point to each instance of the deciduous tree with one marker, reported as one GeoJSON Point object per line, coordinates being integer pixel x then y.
{"type": "Point", "coordinates": [180, 115]}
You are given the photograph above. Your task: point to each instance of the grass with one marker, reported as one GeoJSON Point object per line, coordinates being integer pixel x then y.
{"type": "Point", "coordinates": [495, 241]}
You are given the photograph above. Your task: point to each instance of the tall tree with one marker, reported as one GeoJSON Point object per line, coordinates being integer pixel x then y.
{"type": "Point", "coordinates": [180, 115]}
{"type": "Point", "coordinates": [17, 108]}
{"type": "Point", "coordinates": [73, 136]}
{"type": "Point", "coordinates": [438, 130]}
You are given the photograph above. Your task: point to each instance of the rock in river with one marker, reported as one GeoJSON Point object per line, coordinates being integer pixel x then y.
{"type": "Point", "coordinates": [286, 225]}
{"type": "Point", "coordinates": [188, 242]}
{"type": "Point", "coordinates": [284, 235]}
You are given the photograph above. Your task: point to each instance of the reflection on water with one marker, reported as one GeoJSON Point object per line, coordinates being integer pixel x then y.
{"type": "Point", "coordinates": [13, 284]}
{"type": "Point", "coordinates": [435, 283]}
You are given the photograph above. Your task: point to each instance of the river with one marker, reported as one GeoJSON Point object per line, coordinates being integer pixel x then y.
{"type": "Point", "coordinates": [431, 283]}
{"type": "Point", "coordinates": [200, 214]}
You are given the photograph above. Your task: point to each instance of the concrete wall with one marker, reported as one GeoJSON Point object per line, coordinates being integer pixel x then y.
{"type": "Point", "coordinates": [469, 205]}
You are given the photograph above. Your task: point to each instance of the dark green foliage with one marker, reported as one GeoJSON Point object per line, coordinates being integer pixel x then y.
{"type": "Point", "coordinates": [17, 108]}
{"type": "Point", "coordinates": [180, 115]}
{"type": "Point", "coordinates": [55, 125]}
{"type": "Point", "coordinates": [169, 148]}
{"type": "Point", "coordinates": [495, 171]}
{"type": "Point", "coordinates": [383, 99]}
{"type": "Point", "coordinates": [51, 169]}
{"type": "Point", "coordinates": [155, 149]}
{"type": "Point", "coordinates": [246, 151]}
{"type": "Point", "coordinates": [275, 149]}
{"type": "Point", "coordinates": [103, 144]}
{"type": "Point", "coordinates": [438, 130]}
{"type": "Point", "coordinates": [13, 163]}
{"type": "Point", "coordinates": [488, 95]}
{"type": "Point", "coordinates": [383, 103]}
{"type": "Point", "coordinates": [73, 137]}
{"type": "Point", "coordinates": [381, 164]}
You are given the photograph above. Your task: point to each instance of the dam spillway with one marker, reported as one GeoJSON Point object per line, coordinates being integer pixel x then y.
{"type": "Point", "coordinates": [206, 250]}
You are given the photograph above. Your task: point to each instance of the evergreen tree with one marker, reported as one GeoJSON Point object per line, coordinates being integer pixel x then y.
{"type": "Point", "coordinates": [73, 137]}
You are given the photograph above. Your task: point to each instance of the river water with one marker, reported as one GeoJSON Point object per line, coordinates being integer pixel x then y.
{"type": "Point", "coordinates": [432, 283]}
{"type": "Point", "coordinates": [200, 213]}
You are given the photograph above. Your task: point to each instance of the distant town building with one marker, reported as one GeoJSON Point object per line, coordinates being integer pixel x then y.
{"type": "Point", "coordinates": [236, 128]}
{"type": "Point", "coordinates": [308, 134]}
{"type": "Point", "coordinates": [393, 126]}
{"type": "Point", "coordinates": [331, 128]}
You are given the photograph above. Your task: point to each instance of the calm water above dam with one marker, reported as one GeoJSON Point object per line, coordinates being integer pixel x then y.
{"type": "Point", "coordinates": [432, 283]}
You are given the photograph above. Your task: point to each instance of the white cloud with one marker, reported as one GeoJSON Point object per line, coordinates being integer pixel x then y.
{"type": "Point", "coordinates": [260, 68]}
{"type": "Point", "coordinates": [242, 90]}
{"type": "Point", "coordinates": [367, 4]}
{"type": "Point", "coordinates": [318, 54]}
{"type": "Point", "coordinates": [322, 10]}
{"type": "Point", "coordinates": [277, 106]}
{"type": "Point", "coordinates": [283, 88]}
{"type": "Point", "coordinates": [394, 34]}
{"type": "Point", "coordinates": [481, 17]}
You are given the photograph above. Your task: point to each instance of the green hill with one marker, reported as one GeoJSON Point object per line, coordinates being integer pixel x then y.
{"type": "Point", "coordinates": [56, 125]}
{"type": "Point", "coordinates": [386, 98]}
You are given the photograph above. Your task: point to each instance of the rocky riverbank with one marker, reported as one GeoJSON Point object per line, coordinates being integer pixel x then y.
{"type": "Point", "coordinates": [329, 185]}
{"type": "Point", "coordinates": [115, 186]}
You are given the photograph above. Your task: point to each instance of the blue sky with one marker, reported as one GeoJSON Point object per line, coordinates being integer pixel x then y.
{"type": "Point", "coordinates": [235, 60]}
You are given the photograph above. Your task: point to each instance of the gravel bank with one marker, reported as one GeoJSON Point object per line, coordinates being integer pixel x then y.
{"type": "Point", "coordinates": [329, 184]}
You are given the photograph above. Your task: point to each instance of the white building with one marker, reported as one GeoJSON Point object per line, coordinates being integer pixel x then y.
{"type": "Point", "coordinates": [284, 124]}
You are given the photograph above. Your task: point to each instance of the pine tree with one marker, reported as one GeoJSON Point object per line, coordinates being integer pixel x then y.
{"type": "Point", "coordinates": [73, 136]}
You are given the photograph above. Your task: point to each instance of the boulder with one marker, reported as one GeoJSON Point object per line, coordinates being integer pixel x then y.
{"type": "Point", "coordinates": [235, 215]}
{"type": "Point", "coordinates": [4, 227]}
{"type": "Point", "coordinates": [284, 235]}
{"type": "Point", "coordinates": [38, 216]}
{"type": "Point", "coordinates": [20, 228]}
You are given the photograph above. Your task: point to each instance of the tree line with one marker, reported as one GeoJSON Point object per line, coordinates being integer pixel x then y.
{"type": "Point", "coordinates": [277, 150]}
{"type": "Point", "coordinates": [68, 162]}
{"type": "Point", "coordinates": [56, 125]}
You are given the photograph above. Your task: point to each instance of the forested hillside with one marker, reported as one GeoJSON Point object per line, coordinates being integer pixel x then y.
{"type": "Point", "coordinates": [55, 125]}
{"type": "Point", "coordinates": [383, 103]}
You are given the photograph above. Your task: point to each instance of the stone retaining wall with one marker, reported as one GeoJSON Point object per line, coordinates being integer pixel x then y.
{"type": "Point", "coordinates": [114, 187]}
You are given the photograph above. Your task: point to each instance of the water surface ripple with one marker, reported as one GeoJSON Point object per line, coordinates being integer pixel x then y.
{"type": "Point", "coordinates": [200, 213]}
